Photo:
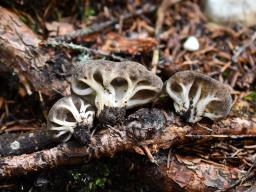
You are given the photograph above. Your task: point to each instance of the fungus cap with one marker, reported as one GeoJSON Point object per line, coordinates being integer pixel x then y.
{"type": "Point", "coordinates": [66, 114]}
{"type": "Point", "coordinates": [115, 84]}
{"type": "Point", "coordinates": [196, 96]}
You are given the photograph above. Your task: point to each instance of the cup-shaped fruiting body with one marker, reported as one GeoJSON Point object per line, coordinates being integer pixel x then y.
{"type": "Point", "coordinates": [116, 85]}
{"type": "Point", "coordinates": [68, 113]}
{"type": "Point", "coordinates": [196, 96]}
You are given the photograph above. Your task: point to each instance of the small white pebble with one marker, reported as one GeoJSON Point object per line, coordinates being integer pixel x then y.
{"type": "Point", "coordinates": [191, 44]}
{"type": "Point", "coordinates": [15, 145]}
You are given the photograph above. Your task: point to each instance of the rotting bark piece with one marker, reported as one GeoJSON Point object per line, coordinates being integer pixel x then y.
{"type": "Point", "coordinates": [67, 114]}
{"type": "Point", "coordinates": [11, 144]}
{"type": "Point", "coordinates": [20, 53]}
{"type": "Point", "coordinates": [196, 96]}
{"type": "Point", "coordinates": [112, 115]}
{"type": "Point", "coordinates": [145, 124]}
{"type": "Point", "coordinates": [190, 174]}
{"type": "Point", "coordinates": [117, 86]}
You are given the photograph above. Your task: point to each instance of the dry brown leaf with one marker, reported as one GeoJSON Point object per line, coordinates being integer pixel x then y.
{"type": "Point", "coordinates": [118, 43]}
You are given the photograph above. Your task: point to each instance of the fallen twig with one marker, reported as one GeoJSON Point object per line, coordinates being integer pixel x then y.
{"type": "Point", "coordinates": [11, 144]}
{"type": "Point", "coordinates": [99, 27]}
{"type": "Point", "coordinates": [80, 48]}
{"type": "Point", "coordinates": [241, 49]}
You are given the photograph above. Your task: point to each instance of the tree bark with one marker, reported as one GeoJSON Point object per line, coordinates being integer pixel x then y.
{"type": "Point", "coordinates": [110, 141]}
{"type": "Point", "coordinates": [190, 174]}
{"type": "Point", "coordinates": [11, 144]}
{"type": "Point", "coordinates": [20, 53]}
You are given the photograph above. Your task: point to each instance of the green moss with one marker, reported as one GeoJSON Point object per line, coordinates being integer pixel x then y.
{"type": "Point", "coordinates": [89, 12]}
{"type": "Point", "coordinates": [225, 74]}
{"type": "Point", "coordinates": [76, 175]}
{"type": "Point", "coordinates": [85, 180]}
{"type": "Point", "coordinates": [30, 22]}
{"type": "Point", "coordinates": [57, 14]}
{"type": "Point", "coordinates": [24, 19]}
{"type": "Point", "coordinates": [97, 183]}
{"type": "Point", "coordinates": [251, 97]}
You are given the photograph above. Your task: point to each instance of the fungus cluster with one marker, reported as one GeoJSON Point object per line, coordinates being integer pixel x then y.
{"type": "Point", "coordinates": [114, 87]}
{"type": "Point", "coordinates": [117, 86]}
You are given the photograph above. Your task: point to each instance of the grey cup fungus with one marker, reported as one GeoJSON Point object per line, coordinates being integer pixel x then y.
{"type": "Point", "coordinates": [116, 85]}
{"type": "Point", "coordinates": [196, 96]}
{"type": "Point", "coordinates": [66, 114]}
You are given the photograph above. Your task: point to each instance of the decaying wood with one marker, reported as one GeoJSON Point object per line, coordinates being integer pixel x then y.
{"type": "Point", "coordinates": [190, 174]}
{"type": "Point", "coordinates": [113, 140]}
{"type": "Point", "coordinates": [11, 144]}
{"type": "Point", "coordinates": [20, 53]}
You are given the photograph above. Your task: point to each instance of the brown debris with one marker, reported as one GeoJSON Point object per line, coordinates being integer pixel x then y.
{"type": "Point", "coordinates": [194, 174]}
{"type": "Point", "coordinates": [117, 43]}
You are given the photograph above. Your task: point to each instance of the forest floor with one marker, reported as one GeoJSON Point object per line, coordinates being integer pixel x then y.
{"type": "Point", "coordinates": [153, 37]}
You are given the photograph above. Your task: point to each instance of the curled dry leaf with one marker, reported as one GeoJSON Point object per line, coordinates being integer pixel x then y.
{"type": "Point", "coordinates": [118, 43]}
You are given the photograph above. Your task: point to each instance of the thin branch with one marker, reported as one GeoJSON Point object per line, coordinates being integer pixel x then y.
{"type": "Point", "coordinates": [99, 27]}
{"type": "Point", "coordinates": [73, 46]}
